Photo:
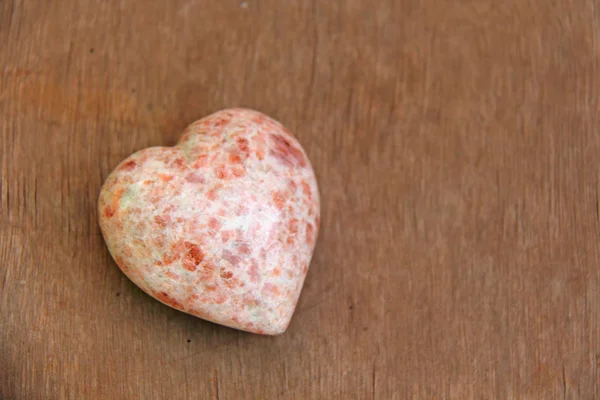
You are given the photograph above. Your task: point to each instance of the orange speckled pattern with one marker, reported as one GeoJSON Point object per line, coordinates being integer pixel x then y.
{"type": "Point", "coordinates": [222, 226]}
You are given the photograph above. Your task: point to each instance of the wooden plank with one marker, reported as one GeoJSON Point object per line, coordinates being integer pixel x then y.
{"type": "Point", "coordinates": [457, 149]}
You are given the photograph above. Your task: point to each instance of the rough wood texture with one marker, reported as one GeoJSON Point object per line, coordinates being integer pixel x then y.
{"type": "Point", "coordinates": [457, 148]}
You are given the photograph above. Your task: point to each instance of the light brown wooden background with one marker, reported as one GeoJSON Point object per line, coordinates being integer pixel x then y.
{"type": "Point", "coordinates": [457, 146]}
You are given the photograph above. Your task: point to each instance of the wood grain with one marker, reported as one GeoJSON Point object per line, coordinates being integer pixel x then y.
{"type": "Point", "coordinates": [457, 148]}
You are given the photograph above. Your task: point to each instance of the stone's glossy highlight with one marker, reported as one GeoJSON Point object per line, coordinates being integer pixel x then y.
{"type": "Point", "coordinates": [221, 226]}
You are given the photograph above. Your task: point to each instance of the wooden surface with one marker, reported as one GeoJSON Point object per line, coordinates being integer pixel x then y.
{"type": "Point", "coordinates": [457, 147]}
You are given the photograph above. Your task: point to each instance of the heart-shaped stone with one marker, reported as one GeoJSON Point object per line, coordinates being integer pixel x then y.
{"type": "Point", "coordinates": [222, 226]}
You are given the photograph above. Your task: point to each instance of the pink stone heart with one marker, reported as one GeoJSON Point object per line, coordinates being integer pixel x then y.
{"type": "Point", "coordinates": [222, 226]}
